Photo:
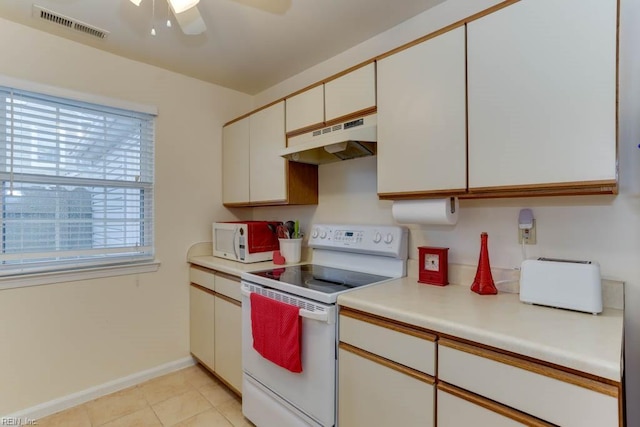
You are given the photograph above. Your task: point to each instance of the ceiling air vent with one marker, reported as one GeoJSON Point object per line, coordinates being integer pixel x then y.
{"type": "Point", "coordinates": [40, 12]}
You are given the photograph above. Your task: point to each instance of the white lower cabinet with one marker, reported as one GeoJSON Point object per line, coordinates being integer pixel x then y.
{"type": "Point", "coordinates": [215, 324]}
{"type": "Point", "coordinates": [384, 373]}
{"type": "Point", "coordinates": [392, 373]}
{"type": "Point", "coordinates": [201, 318]}
{"type": "Point", "coordinates": [457, 408]}
{"type": "Point", "coordinates": [369, 391]}
{"type": "Point", "coordinates": [549, 394]}
{"type": "Point", "coordinates": [228, 339]}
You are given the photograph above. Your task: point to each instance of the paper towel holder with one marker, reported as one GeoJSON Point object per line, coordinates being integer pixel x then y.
{"type": "Point", "coordinates": [426, 211]}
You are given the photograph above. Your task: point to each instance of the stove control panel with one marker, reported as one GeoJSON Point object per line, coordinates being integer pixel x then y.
{"type": "Point", "coordinates": [385, 240]}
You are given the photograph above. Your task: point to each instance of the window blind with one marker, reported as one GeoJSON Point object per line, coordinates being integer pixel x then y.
{"type": "Point", "coordinates": [77, 184]}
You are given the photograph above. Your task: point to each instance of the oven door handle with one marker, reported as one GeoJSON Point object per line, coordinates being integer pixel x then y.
{"type": "Point", "coordinates": [321, 317]}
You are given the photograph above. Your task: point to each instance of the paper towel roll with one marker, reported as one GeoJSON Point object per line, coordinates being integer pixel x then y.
{"type": "Point", "coordinates": [426, 211]}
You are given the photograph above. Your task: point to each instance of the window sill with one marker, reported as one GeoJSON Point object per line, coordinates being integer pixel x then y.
{"type": "Point", "coordinates": [37, 279]}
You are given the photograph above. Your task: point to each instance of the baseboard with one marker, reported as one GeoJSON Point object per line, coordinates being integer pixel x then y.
{"type": "Point", "coordinates": [71, 400]}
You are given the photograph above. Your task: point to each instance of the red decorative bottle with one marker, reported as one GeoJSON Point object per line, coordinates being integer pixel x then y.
{"type": "Point", "coordinates": [483, 283]}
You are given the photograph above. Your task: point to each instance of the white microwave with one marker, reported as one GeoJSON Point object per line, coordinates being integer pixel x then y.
{"type": "Point", "coordinates": [245, 241]}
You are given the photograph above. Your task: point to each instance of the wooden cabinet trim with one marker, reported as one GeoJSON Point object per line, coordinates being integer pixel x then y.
{"type": "Point", "coordinates": [607, 187]}
{"type": "Point", "coordinates": [216, 272]}
{"type": "Point", "coordinates": [581, 186]}
{"type": "Point", "coordinates": [304, 130]}
{"type": "Point", "coordinates": [388, 363]}
{"type": "Point", "coordinates": [390, 52]}
{"type": "Point", "coordinates": [228, 299]}
{"type": "Point", "coordinates": [389, 324]}
{"type": "Point", "coordinates": [536, 368]}
{"type": "Point", "coordinates": [448, 28]}
{"type": "Point", "coordinates": [226, 383]}
{"type": "Point", "coordinates": [492, 406]}
{"type": "Point", "coordinates": [456, 192]}
{"type": "Point", "coordinates": [218, 377]}
{"type": "Point", "coordinates": [543, 192]}
{"type": "Point", "coordinates": [341, 119]}
{"type": "Point", "coordinates": [355, 115]}
{"type": "Point", "coordinates": [301, 187]}
{"type": "Point", "coordinates": [203, 269]}
{"type": "Point", "coordinates": [203, 289]}
{"type": "Point", "coordinates": [226, 275]}
{"type": "Point", "coordinates": [348, 70]}
{"type": "Point", "coordinates": [534, 190]}
{"type": "Point", "coordinates": [214, 293]}
{"type": "Point", "coordinates": [253, 112]}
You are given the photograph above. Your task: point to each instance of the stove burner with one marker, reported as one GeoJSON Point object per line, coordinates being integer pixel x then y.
{"type": "Point", "coordinates": [328, 280]}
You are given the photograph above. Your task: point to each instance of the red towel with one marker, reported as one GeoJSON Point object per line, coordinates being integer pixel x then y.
{"type": "Point", "coordinates": [276, 329]}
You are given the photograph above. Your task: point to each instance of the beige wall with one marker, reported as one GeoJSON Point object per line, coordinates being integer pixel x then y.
{"type": "Point", "coordinates": [62, 338]}
{"type": "Point", "coordinates": [605, 229]}
{"type": "Point", "coordinates": [67, 337]}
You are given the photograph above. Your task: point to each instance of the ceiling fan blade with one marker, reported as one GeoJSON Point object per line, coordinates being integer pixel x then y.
{"type": "Point", "coordinates": [191, 21]}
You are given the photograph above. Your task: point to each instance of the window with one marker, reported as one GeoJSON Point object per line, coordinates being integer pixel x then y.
{"type": "Point", "coordinates": [77, 184]}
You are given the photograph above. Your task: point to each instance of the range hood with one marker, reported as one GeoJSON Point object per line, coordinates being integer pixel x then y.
{"type": "Point", "coordinates": [343, 141]}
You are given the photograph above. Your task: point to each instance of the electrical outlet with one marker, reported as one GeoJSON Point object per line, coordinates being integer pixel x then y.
{"type": "Point", "coordinates": [528, 236]}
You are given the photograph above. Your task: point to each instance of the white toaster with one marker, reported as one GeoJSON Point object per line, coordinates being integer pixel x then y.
{"type": "Point", "coordinates": [574, 285]}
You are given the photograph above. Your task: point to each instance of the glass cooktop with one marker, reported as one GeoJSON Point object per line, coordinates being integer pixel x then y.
{"type": "Point", "coordinates": [327, 280]}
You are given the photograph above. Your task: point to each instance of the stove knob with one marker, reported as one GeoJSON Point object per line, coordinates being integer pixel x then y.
{"type": "Point", "coordinates": [314, 234]}
{"type": "Point", "coordinates": [389, 238]}
{"type": "Point", "coordinates": [323, 234]}
{"type": "Point", "coordinates": [377, 238]}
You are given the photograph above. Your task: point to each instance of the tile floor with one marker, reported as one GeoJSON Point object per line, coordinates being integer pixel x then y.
{"type": "Point", "coordinates": [191, 397]}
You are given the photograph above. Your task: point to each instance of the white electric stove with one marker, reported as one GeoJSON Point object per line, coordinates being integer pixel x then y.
{"type": "Point", "coordinates": [345, 257]}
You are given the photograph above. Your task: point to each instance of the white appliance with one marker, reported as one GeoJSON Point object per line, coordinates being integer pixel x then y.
{"type": "Point", "coordinates": [345, 257]}
{"type": "Point", "coordinates": [245, 241]}
{"type": "Point", "coordinates": [574, 285]}
{"type": "Point", "coordinates": [341, 141]}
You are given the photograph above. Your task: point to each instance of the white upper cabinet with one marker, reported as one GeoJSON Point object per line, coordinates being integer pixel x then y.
{"type": "Point", "coordinates": [542, 94]}
{"type": "Point", "coordinates": [422, 118]}
{"type": "Point", "coordinates": [350, 93]}
{"type": "Point", "coordinates": [267, 169]}
{"type": "Point", "coordinates": [305, 109]}
{"type": "Point", "coordinates": [235, 162]}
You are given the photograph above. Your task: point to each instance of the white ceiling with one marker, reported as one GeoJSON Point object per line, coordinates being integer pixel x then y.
{"type": "Point", "coordinates": [249, 45]}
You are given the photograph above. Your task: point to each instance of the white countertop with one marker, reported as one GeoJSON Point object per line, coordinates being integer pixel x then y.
{"type": "Point", "coordinates": [232, 267]}
{"type": "Point", "coordinates": [580, 341]}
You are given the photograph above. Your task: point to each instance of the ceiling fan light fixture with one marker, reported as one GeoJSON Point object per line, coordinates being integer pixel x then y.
{"type": "Point", "coordinates": [180, 6]}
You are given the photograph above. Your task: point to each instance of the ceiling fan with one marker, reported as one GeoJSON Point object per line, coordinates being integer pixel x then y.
{"type": "Point", "coordinates": [186, 14]}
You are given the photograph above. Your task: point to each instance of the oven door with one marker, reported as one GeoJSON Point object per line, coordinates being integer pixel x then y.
{"type": "Point", "coordinates": [305, 398]}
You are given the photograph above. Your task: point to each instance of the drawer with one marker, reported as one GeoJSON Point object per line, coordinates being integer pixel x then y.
{"type": "Point", "coordinates": [375, 392]}
{"type": "Point", "coordinates": [550, 394]}
{"type": "Point", "coordinates": [396, 342]}
{"type": "Point", "coordinates": [228, 286]}
{"type": "Point", "coordinates": [202, 277]}
{"type": "Point", "coordinates": [457, 408]}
